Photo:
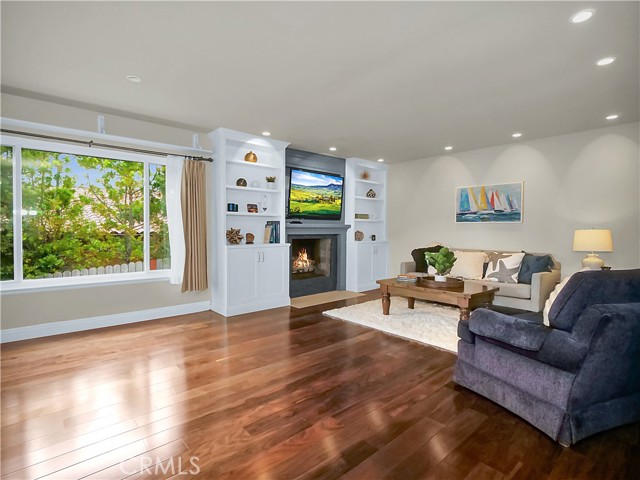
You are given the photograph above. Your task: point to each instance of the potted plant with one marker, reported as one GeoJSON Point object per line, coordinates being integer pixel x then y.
{"type": "Point", "coordinates": [442, 261]}
{"type": "Point", "coordinates": [271, 182]}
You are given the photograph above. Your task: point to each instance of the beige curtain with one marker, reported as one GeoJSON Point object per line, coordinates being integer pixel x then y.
{"type": "Point", "coordinates": [194, 218]}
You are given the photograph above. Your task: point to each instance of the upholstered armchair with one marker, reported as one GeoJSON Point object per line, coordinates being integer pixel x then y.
{"type": "Point", "coordinates": [579, 375]}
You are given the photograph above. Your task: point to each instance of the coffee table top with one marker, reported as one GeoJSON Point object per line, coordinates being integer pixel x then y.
{"type": "Point", "coordinates": [468, 290]}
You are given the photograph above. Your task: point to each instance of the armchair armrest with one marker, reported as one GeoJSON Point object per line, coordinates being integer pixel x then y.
{"type": "Point", "coordinates": [514, 331]}
{"type": "Point", "coordinates": [406, 267]}
{"type": "Point", "coordinates": [542, 284]}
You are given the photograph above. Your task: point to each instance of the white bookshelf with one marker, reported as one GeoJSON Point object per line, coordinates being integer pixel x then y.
{"type": "Point", "coordinates": [248, 277]}
{"type": "Point", "coordinates": [366, 259]}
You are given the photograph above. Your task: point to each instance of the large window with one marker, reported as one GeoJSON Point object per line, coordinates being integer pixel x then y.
{"type": "Point", "coordinates": [81, 215]}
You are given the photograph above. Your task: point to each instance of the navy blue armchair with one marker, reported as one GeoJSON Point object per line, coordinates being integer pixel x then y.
{"type": "Point", "coordinates": [574, 378]}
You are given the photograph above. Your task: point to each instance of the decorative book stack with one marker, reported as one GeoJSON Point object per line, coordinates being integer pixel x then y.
{"type": "Point", "coordinates": [402, 278]}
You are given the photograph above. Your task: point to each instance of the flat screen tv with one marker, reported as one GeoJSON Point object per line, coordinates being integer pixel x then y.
{"type": "Point", "coordinates": [315, 195]}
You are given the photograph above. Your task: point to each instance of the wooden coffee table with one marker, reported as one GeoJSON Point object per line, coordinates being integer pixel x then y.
{"type": "Point", "coordinates": [467, 298]}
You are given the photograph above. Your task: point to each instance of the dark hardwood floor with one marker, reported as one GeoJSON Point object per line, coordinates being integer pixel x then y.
{"type": "Point", "coordinates": [281, 394]}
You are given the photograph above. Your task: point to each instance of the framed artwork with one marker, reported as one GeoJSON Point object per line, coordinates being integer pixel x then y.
{"type": "Point", "coordinates": [252, 207]}
{"type": "Point", "coordinates": [499, 203]}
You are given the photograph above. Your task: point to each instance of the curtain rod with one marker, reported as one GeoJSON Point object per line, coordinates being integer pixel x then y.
{"type": "Point", "coordinates": [91, 143]}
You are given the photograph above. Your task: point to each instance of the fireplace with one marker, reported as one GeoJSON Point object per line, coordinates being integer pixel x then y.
{"type": "Point", "coordinates": [314, 264]}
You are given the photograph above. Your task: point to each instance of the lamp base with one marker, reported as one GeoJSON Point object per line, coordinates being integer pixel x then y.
{"type": "Point", "coordinates": [592, 261]}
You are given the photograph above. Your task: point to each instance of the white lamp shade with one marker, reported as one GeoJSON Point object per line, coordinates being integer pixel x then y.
{"type": "Point", "coordinates": [592, 241]}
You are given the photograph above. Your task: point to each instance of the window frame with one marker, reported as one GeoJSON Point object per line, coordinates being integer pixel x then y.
{"type": "Point", "coordinates": [20, 284]}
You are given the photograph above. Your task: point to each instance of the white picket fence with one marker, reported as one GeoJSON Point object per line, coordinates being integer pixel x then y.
{"type": "Point", "coordinates": [161, 264]}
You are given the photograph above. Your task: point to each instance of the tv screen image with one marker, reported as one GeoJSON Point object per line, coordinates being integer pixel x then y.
{"type": "Point", "coordinates": [315, 195]}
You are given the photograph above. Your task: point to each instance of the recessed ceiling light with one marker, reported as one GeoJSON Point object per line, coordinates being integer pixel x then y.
{"type": "Point", "coordinates": [333, 149]}
{"type": "Point", "coordinates": [134, 78]}
{"type": "Point", "coordinates": [381, 160]}
{"type": "Point", "coordinates": [448, 147]}
{"type": "Point", "coordinates": [611, 117]}
{"type": "Point", "coordinates": [266, 134]}
{"type": "Point", "coordinates": [605, 61]}
{"type": "Point", "coordinates": [516, 135]}
{"type": "Point", "coordinates": [582, 16]}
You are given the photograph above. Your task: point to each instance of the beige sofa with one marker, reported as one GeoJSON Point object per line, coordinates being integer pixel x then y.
{"type": "Point", "coordinates": [515, 295]}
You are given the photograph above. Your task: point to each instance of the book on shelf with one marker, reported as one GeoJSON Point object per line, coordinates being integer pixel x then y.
{"type": "Point", "coordinates": [272, 232]}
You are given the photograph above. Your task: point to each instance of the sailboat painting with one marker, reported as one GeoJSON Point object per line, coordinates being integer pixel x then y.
{"type": "Point", "coordinates": [489, 203]}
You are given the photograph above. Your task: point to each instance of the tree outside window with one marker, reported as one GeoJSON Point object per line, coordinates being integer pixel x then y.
{"type": "Point", "coordinates": [84, 215]}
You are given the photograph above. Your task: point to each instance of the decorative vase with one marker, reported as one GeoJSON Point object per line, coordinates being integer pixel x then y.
{"type": "Point", "coordinates": [271, 185]}
{"type": "Point", "coordinates": [440, 278]}
{"type": "Point", "coordinates": [251, 157]}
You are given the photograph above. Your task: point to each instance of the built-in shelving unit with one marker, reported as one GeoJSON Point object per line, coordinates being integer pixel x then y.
{"type": "Point", "coordinates": [248, 277]}
{"type": "Point", "coordinates": [366, 193]}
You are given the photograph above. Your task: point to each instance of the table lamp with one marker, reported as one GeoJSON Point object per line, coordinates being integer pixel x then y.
{"type": "Point", "coordinates": [592, 241]}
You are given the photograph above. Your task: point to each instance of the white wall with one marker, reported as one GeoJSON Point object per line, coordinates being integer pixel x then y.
{"type": "Point", "coordinates": [27, 309]}
{"type": "Point", "coordinates": [583, 180]}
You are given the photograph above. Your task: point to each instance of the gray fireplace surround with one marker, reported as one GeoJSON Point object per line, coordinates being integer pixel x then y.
{"type": "Point", "coordinates": [320, 230]}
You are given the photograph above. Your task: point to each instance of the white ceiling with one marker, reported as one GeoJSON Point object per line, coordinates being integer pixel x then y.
{"type": "Point", "coordinates": [398, 80]}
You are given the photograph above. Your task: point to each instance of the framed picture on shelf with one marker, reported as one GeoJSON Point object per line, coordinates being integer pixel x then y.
{"type": "Point", "coordinates": [498, 203]}
{"type": "Point", "coordinates": [252, 208]}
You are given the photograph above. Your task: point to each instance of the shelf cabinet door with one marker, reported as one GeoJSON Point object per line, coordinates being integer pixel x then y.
{"type": "Point", "coordinates": [379, 262]}
{"type": "Point", "coordinates": [243, 282]}
{"type": "Point", "coordinates": [272, 274]}
{"type": "Point", "coordinates": [365, 264]}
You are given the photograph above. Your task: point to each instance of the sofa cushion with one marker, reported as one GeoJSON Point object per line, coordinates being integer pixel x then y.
{"type": "Point", "coordinates": [533, 264]}
{"type": "Point", "coordinates": [418, 257]}
{"type": "Point", "coordinates": [468, 264]}
{"type": "Point", "coordinates": [592, 287]}
{"type": "Point", "coordinates": [504, 267]}
{"type": "Point", "coordinates": [514, 290]}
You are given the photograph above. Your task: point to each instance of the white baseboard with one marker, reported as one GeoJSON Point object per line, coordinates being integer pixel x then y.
{"type": "Point", "coordinates": [79, 325]}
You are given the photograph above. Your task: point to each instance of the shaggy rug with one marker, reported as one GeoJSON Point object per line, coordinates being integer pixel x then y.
{"type": "Point", "coordinates": [428, 323]}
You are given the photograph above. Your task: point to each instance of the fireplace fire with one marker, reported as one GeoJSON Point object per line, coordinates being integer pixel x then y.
{"type": "Point", "coordinates": [302, 263]}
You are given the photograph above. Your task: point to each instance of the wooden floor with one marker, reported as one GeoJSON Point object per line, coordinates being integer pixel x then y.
{"type": "Point", "coordinates": [281, 394]}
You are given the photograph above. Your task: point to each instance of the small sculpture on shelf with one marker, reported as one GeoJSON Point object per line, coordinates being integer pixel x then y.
{"type": "Point", "coordinates": [371, 193]}
{"type": "Point", "coordinates": [271, 182]}
{"type": "Point", "coordinates": [359, 236]}
{"type": "Point", "coordinates": [241, 182]}
{"type": "Point", "coordinates": [251, 157]}
{"type": "Point", "coordinates": [365, 175]}
{"type": "Point", "coordinates": [233, 236]}
{"type": "Point", "coordinates": [250, 238]}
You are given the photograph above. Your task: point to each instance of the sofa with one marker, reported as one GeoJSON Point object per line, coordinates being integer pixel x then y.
{"type": "Point", "coordinates": [572, 377]}
{"type": "Point", "coordinates": [524, 296]}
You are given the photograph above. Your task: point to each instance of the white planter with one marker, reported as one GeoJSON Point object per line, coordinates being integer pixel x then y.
{"type": "Point", "coordinates": [271, 185]}
{"type": "Point", "coordinates": [440, 278]}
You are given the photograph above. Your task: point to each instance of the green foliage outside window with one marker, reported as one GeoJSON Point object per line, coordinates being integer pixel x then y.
{"type": "Point", "coordinates": [82, 212]}
{"type": "Point", "coordinates": [6, 213]}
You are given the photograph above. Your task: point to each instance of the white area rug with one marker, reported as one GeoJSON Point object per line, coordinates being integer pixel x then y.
{"type": "Point", "coordinates": [428, 323]}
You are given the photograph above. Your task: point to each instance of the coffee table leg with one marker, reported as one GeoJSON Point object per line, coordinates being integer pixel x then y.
{"type": "Point", "coordinates": [411, 302]}
{"type": "Point", "coordinates": [386, 303]}
{"type": "Point", "coordinates": [464, 313]}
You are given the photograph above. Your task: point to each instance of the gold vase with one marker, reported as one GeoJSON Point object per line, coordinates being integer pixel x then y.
{"type": "Point", "coordinates": [251, 157]}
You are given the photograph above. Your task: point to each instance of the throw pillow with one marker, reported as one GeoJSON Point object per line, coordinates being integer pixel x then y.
{"type": "Point", "coordinates": [468, 265]}
{"type": "Point", "coordinates": [554, 295]}
{"type": "Point", "coordinates": [533, 264]}
{"type": "Point", "coordinates": [504, 267]}
{"type": "Point", "coordinates": [418, 257]}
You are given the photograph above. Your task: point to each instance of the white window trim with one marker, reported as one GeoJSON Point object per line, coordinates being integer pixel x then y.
{"type": "Point", "coordinates": [49, 284]}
